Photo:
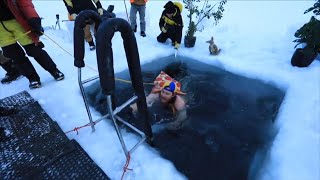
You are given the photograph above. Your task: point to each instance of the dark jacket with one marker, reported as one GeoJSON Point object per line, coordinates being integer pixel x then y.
{"type": "Point", "coordinates": [174, 24]}
{"type": "Point", "coordinates": [23, 11]}
{"type": "Point", "coordinates": [76, 6]}
{"type": "Point", "coordinates": [5, 13]}
{"type": "Point", "coordinates": [3, 59]}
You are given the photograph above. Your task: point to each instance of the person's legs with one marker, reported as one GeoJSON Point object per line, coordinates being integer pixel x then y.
{"type": "Point", "coordinates": [23, 63]}
{"type": "Point", "coordinates": [172, 38]}
{"type": "Point", "coordinates": [9, 30]}
{"type": "Point", "coordinates": [142, 14]}
{"type": "Point", "coordinates": [87, 33]}
{"type": "Point", "coordinates": [88, 36]}
{"type": "Point", "coordinates": [43, 58]}
{"type": "Point", "coordinates": [133, 17]}
{"type": "Point", "coordinates": [162, 37]}
{"type": "Point", "coordinates": [12, 72]}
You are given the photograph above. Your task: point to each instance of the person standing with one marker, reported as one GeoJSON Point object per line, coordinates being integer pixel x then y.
{"type": "Point", "coordinates": [138, 6]}
{"type": "Point", "coordinates": [12, 72]}
{"type": "Point", "coordinates": [171, 24]}
{"type": "Point", "coordinates": [21, 23]}
{"type": "Point", "coordinates": [74, 7]}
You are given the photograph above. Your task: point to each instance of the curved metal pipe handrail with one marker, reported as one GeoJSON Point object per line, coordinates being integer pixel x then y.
{"type": "Point", "coordinates": [104, 51]}
{"type": "Point", "coordinates": [84, 17]}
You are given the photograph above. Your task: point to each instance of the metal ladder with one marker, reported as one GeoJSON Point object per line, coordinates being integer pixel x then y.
{"type": "Point", "coordinates": [112, 114]}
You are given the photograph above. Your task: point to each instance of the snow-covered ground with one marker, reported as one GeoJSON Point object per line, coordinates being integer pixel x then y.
{"type": "Point", "coordinates": [256, 41]}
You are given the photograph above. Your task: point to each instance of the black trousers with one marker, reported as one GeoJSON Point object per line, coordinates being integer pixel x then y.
{"type": "Point", "coordinates": [23, 63]}
{"type": "Point", "coordinates": [10, 68]}
{"type": "Point", "coordinates": [164, 36]}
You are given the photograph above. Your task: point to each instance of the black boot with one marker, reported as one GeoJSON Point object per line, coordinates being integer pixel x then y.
{"type": "Point", "coordinates": [34, 84]}
{"type": "Point", "coordinates": [92, 46]}
{"type": "Point", "coordinates": [57, 75]}
{"type": "Point", "coordinates": [12, 73]}
{"type": "Point", "coordinates": [143, 34]}
{"type": "Point", "coordinates": [134, 29]}
{"type": "Point", "coordinates": [9, 78]}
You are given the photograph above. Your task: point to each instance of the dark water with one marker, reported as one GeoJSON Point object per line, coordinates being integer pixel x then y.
{"type": "Point", "coordinates": [230, 126]}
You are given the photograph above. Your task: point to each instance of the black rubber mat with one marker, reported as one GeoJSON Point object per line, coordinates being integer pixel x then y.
{"type": "Point", "coordinates": [18, 100]}
{"type": "Point", "coordinates": [73, 165]}
{"type": "Point", "coordinates": [32, 146]}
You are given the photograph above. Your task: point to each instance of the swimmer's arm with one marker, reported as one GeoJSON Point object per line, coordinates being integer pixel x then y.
{"type": "Point", "coordinates": [181, 107]}
{"type": "Point", "coordinates": [181, 115]}
{"type": "Point", "coordinates": [152, 97]}
{"type": "Point", "coordinates": [180, 118]}
{"type": "Point", "coordinates": [180, 103]}
{"type": "Point", "coordinates": [134, 107]}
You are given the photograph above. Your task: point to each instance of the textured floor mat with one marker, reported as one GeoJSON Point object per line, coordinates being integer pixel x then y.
{"type": "Point", "coordinates": [73, 165]}
{"type": "Point", "coordinates": [17, 100]}
{"type": "Point", "coordinates": [30, 140]}
{"type": "Point", "coordinates": [32, 146]}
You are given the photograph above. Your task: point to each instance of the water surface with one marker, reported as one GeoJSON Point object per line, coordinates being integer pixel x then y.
{"type": "Point", "coordinates": [230, 126]}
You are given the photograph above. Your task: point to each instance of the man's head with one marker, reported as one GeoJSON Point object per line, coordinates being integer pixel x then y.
{"type": "Point", "coordinates": [169, 15]}
{"type": "Point", "coordinates": [168, 93]}
{"type": "Point", "coordinates": [170, 9]}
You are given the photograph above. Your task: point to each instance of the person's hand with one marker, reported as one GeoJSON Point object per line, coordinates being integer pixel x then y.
{"type": "Point", "coordinates": [176, 45]}
{"type": "Point", "coordinates": [40, 44]}
{"type": "Point", "coordinates": [133, 108]}
{"type": "Point", "coordinates": [100, 11]}
{"type": "Point", "coordinates": [35, 24]}
{"type": "Point", "coordinates": [74, 16]}
{"type": "Point", "coordinates": [164, 30]}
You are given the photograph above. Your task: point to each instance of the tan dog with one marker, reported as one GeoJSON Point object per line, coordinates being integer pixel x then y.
{"type": "Point", "coordinates": [213, 48]}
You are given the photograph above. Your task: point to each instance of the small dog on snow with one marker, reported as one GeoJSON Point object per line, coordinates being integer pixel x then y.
{"type": "Point", "coordinates": [213, 48]}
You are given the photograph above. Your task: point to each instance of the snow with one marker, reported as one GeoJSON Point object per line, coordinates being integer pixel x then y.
{"type": "Point", "coordinates": [256, 41]}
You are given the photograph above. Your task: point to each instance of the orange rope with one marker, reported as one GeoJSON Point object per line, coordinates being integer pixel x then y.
{"type": "Point", "coordinates": [125, 168]}
{"type": "Point", "coordinates": [118, 79]}
{"type": "Point", "coordinates": [77, 128]}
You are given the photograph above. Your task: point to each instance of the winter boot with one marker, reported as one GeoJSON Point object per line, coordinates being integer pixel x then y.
{"type": "Point", "coordinates": [12, 73]}
{"type": "Point", "coordinates": [57, 75]}
{"type": "Point", "coordinates": [92, 46]}
{"type": "Point", "coordinates": [143, 34]}
{"type": "Point", "coordinates": [9, 78]}
{"type": "Point", "coordinates": [34, 84]}
{"type": "Point", "coordinates": [134, 29]}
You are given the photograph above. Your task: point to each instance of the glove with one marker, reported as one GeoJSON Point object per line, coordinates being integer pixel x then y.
{"type": "Point", "coordinates": [110, 8]}
{"type": "Point", "coordinates": [100, 11]}
{"type": "Point", "coordinates": [36, 27]}
{"type": "Point", "coordinates": [164, 30]}
{"type": "Point", "coordinates": [40, 44]}
{"type": "Point", "coordinates": [74, 16]}
{"type": "Point", "coordinates": [176, 45]}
